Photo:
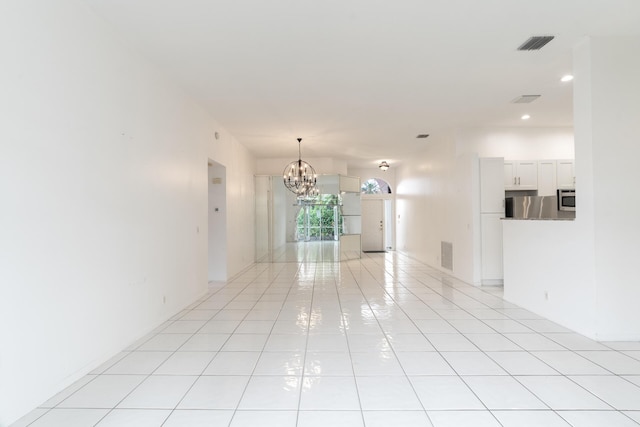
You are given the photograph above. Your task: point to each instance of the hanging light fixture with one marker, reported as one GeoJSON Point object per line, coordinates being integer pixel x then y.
{"type": "Point", "coordinates": [300, 177]}
{"type": "Point", "coordinates": [384, 166]}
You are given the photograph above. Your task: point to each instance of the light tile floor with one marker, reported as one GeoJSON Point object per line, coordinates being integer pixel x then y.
{"type": "Point", "coordinates": [382, 341]}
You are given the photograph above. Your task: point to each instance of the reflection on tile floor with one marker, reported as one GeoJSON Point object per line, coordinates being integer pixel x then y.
{"type": "Point", "coordinates": [374, 342]}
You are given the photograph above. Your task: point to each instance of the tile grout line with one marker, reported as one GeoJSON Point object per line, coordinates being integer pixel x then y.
{"type": "Point", "coordinates": [407, 376]}
{"type": "Point", "coordinates": [346, 337]}
{"type": "Point", "coordinates": [235, 411]}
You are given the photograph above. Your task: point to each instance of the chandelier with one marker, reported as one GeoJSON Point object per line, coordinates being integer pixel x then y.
{"type": "Point", "coordinates": [300, 177]}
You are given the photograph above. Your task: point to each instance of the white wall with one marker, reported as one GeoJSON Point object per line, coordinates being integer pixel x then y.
{"type": "Point", "coordinates": [517, 143]}
{"type": "Point", "coordinates": [548, 269]}
{"type": "Point", "coordinates": [104, 188]}
{"type": "Point", "coordinates": [615, 127]}
{"type": "Point", "coordinates": [425, 187]}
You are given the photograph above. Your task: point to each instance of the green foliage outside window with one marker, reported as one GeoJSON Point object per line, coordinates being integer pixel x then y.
{"type": "Point", "coordinates": [371, 186]}
{"type": "Point", "coordinates": [321, 218]}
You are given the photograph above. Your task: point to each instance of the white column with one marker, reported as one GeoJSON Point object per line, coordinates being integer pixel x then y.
{"type": "Point", "coordinates": [607, 132]}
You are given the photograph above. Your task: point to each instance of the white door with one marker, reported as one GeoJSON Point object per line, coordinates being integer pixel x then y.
{"type": "Point", "coordinates": [372, 225]}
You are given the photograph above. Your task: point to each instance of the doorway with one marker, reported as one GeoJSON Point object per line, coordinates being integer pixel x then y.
{"type": "Point", "coordinates": [373, 225]}
{"type": "Point", "coordinates": [217, 221]}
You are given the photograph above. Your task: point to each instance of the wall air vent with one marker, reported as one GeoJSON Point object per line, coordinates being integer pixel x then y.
{"type": "Point", "coordinates": [525, 99]}
{"type": "Point", "coordinates": [423, 135]}
{"type": "Point", "coordinates": [535, 43]}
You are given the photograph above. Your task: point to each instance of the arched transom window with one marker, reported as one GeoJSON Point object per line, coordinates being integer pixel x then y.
{"type": "Point", "coordinates": [375, 186]}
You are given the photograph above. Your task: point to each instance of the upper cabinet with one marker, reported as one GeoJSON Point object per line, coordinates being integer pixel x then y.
{"type": "Point", "coordinates": [545, 176]}
{"type": "Point", "coordinates": [547, 184]}
{"type": "Point", "coordinates": [566, 174]}
{"type": "Point", "coordinates": [520, 175]}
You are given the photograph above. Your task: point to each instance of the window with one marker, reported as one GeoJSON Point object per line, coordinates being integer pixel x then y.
{"type": "Point", "coordinates": [320, 219]}
{"type": "Point", "coordinates": [375, 186]}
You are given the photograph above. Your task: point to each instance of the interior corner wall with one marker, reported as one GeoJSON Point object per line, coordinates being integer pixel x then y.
{"type": "Point", "coordinates": [104, 184]}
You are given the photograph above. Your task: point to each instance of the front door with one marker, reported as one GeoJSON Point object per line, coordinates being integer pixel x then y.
{"type": "Point", "coordinates": [372, 225]}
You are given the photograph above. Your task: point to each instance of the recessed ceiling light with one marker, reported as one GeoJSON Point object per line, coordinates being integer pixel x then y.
{"type": "Point", "coordinates": [566, 78]}
{"type": "Point", "coordinates": [525, 117]}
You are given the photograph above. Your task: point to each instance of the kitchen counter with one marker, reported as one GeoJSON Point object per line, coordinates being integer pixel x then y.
{"type": "Point", "coordinates": [539, 219]}
{"type": "Point", "coordinates": [536, 207]}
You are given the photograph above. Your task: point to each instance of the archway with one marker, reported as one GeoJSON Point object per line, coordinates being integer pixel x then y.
{"type": "Point", "coordinates": [375, 186]}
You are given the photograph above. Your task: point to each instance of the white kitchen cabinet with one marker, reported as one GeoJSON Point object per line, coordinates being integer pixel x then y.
{"type": "Point", "coordinates": [491, 230]}
{"type": "Point", "coordinates": [521, 175]}
{"type": "Point", "coordinates": [527, 175]}
{"type": "Point", "coordinates": [510, 177]}
{"type": "Point", "coordinates": [547, 178]}
{"type": "Point", "coordinates": [566, 174]}
{"type": "Point", "coordinates": [491, 185]}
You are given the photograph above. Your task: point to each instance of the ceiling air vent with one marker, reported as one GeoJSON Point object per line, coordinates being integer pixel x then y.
{"type": "Point", "coordinates": [423, 135]}
{"type": "Point", "coordinates": [525, 99]}
{"type": "Point", "coordinates": [535, 43]}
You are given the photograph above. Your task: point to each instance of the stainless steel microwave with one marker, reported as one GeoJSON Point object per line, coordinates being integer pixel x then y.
{"type": "Point", "coordinates": [566, 200]}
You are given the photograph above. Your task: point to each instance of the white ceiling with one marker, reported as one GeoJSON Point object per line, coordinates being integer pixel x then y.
{"type": "Point", "coordinates": [359, 79]}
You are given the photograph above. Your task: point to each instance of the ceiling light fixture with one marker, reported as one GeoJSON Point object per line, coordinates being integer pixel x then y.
{"type": "Point", "coordinates": [383, 166]}
{"type": "Point", "coordinates": [525, 117]}
{"type": "Point", "coordinates": [300, 178]}
{"type": "Point", "coordinates": [566, 78]}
